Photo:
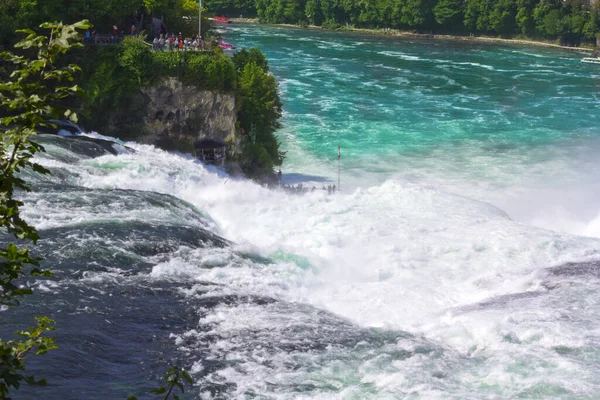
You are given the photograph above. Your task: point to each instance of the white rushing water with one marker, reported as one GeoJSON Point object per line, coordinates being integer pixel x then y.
{"type": "Point", "coordinates": [398, 256]}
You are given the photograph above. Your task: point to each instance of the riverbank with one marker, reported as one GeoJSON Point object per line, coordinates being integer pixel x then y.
{"type": "Point", "coordinates": [399, 33]}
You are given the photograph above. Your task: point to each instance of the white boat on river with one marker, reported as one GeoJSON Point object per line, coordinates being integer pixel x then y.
{"type": "Point", "coordinates": [591, 60]}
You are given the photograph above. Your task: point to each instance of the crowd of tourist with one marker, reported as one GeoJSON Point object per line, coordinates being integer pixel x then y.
{"type": "Point", "coordinates": [165, 41]}
{"type": "Point", "coordinates": [171, 42]}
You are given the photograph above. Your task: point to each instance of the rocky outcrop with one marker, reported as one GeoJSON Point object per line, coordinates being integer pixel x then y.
{"type": "Point", "coordinates": [173, 116]}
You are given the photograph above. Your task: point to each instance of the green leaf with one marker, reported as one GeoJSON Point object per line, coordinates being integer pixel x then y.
{"type": "Point", "coordinates": [30, 96]}
{"type": "Point", "coordinates": [83, 24]}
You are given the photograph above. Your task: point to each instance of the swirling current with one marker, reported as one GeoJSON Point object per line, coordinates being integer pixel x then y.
{"type": "Point", "coordinates": [460, 260]}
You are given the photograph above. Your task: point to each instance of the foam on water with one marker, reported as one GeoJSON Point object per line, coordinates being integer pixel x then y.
{"type": "Point", "coordinates": [415, 248]}
{"type": "Point", "coordinates": [397, 255]}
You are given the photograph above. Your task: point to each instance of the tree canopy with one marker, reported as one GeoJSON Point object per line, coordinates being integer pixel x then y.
{"type": "Point", "coordinates": [570, 21]}
{"type": "Point", "coordinates": [259, 113]}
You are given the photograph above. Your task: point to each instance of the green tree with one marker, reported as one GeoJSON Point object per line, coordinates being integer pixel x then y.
{"type": "Point", "coordinates": [553, 24]}
{"type": "Point", "coordinates": [231, 7]}
{"type": "Point", "coordinates": [351, 10]}
{"type": "Point", "coordinates": [417, 13]}
{"type": "Point", "coordinates": [547, 18]}
{"type": "Point", "coordinates": [502, 17]}
{"type": "Point", "coordinates": [260, 111]}
{"type": "Point", "coordinates": [29, 99]}
{"type": "Point", "coordinates": [477, 15]}
{"type": "Point", "coordinates": [592, 25]}
{"type": "Point", "coordinates": [103, 14]}
{"type": "Point", "coordinates": [448, 13]}
{"type": "Point", "coordinates": [524, 17]}
{"type": "Point", "coordinates": [575, 16]}
{"type": "Point", "coordinates": [136, 59]}
{"type": "Point", "coordinates": [570, 20]}
{"type": "Point", "coordinates": [385, 9]}
{"type": "Point", "coordinates": [397, 13]}
{"type": "Point", "coordinates": [313, 12]}
{"type": "Point", "coordinates": [14, 14]}
{"type": "Point", "coordinates": [245, 57]}
{"type": "Point", "coordinates": [369, 13]}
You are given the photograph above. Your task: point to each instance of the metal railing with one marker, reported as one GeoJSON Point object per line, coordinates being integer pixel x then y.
{"type": "Point", "coordinates": [102, 39]}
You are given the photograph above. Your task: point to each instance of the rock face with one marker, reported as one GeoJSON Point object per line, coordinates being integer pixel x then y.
{"type": "Point", "coordinates": [173, 116]}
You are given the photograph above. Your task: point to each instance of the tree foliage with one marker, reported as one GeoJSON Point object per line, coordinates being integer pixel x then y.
{"type": "Point", "coordinates": [448, 13]}
{"type": "Point", "coordinates": [245, 8]}
{"type": "Point", "coordinates": [245, 57]}
{"type": "Point", "coordinates": [30, 97]}
{"type": "Point", "coordinates": [176, 379]}
{"type": "Point", "coordinates": [179, 15]}
{"type": "Point", "coordinates": [259, 113]}
{"type": "Point", "coordinates": [570, 21]}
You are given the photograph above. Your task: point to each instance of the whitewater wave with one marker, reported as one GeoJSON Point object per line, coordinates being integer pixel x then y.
{"type": "Point", "coordinates": [389, 280]}
{"type": "Point", "coordinates": [376, 238]}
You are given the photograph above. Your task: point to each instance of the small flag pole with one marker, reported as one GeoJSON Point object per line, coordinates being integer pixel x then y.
{"type": "Point", "coordinates": [199, 20]}
{"type": "Point", "coordinates": [339, 157]}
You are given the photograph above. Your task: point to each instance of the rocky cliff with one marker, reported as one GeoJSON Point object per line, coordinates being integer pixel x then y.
{"type": "Point", "coordinates": [173, 116]}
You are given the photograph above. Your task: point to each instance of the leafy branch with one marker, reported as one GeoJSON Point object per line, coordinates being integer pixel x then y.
{"type": "Point", "coordinates": [29, 99]}
{"type": "Point", "coordinates": [175, 378]}
{"type": "Point", "coordinates": [13, 353]}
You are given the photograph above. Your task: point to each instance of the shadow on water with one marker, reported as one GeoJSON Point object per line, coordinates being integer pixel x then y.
{"type": "Point", "coordinates": [589, 269]}
{"type": "Point", "coordinates": [296, 178]}
{"type": "Point", "coordinates": [113, 340]}
{"type": "Point", "coordinates": [113, 319]}
{"type": "Point", "coordinates": [139, 238]}
{"type": "Point", "coordinates": [84, 145]}
{"type": "Point", "coordinates": [554, 278]}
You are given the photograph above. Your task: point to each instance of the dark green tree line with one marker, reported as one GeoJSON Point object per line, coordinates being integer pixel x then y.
{"type": "Point", "coordinates": [570, 21]}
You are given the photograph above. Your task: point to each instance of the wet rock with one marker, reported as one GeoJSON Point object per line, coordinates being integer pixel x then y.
{"type": "Point", "coordinates": [173, 116]}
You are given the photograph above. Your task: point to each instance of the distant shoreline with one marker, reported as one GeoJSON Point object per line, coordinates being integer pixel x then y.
{"type": "Point", "coordinates": [398, 33]}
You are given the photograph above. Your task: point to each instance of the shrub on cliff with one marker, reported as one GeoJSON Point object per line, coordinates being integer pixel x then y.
{"type": "Point", "coordinates": [133, 65]}
{"type": "Point", "coordinates": [211, 71]}
{"type": "Point", "coordinates": [245, 57]}
{"type": "Point", "coordinates": [207, 70]}
{"type": "Point", "coordinates": [136, 58]}
{"type": "Point", "coordinates": [256, 162]}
